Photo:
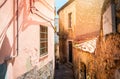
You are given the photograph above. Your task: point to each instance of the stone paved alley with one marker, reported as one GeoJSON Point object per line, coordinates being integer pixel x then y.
{"type": "Point", "coordinates": [64, 71]}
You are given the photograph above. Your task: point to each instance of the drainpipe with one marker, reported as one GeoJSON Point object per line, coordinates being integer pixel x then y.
{"type": "Point", "coordinates": [118, 6]}
{"type": "Point", "coordinates": [117, 12]}
{"type": "Point", "coordinates": [43, 18]}
{"type": "Point", "coordinates": [32, 7]}
{"type": "Point", "coordinates": [17, 29]}
{"type": "Point", "coordinates": [114, 28]}
{"type": "Point", "coordinates": [17, 36]}
{"type": "Point", "coordinates": [3, 2]}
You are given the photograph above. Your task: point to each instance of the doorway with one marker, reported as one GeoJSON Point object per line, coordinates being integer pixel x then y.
{"type": "Point", "coordinates": [82, 73]}
{"type": "Point", "coordinates": [70, 51]}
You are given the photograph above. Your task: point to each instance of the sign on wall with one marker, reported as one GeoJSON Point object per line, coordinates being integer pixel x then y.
{"type": "Point", "coordinates": [107, 21]}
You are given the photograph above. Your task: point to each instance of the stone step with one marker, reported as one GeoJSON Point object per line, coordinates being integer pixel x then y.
{"type": "Point", "coordinates": [69, 65]}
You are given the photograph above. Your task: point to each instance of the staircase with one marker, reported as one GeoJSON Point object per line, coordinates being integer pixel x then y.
{"type": "Point", "coordinates": [69, 65]}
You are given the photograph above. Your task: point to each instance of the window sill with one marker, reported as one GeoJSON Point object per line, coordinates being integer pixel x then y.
{"type": "Point", "coordinates": [43, 57]}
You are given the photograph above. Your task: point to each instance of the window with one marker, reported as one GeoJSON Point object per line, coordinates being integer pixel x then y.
{"type": "Point", "coordinates": [43, 40]}
{"type": "Point", "coordinates": [69, 20]}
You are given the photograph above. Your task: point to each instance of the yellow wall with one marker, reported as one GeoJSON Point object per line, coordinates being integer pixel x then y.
{"type": "Point", "coordinates": [88, 16]}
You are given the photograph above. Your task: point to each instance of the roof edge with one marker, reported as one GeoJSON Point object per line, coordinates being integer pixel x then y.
{"type": "Point", "coordinates": [66, 4]}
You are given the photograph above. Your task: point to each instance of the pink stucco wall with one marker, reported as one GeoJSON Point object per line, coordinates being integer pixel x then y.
{"type": "Point", "coordinates": [29, 21]}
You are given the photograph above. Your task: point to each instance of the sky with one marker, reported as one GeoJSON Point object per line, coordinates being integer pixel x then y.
{"type": "Point", "coordinates": [59, 3]}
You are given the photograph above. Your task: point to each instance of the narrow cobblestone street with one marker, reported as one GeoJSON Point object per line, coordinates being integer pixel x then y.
{"type": "Point", "coordinates": [64, 71]}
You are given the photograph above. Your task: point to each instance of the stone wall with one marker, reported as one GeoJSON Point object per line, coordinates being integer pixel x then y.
{"type": "Point", "coordinates": [108, 56]}
{"type": "Point", "coordinates": [45, 72]}
{"type": "Point", "coordinates": [83, 64]}
{"type": "Point", "coordinates": [103, 64]}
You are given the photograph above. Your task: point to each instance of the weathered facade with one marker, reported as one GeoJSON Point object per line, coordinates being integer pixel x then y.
{"type": "Point", "coordinates": [79, 21]}
{"type": "Point", "coordinates": [26, 39]}
{"type": "Point", "coordinates": [108, 51]}
{"type": "Point", "coordinates": [65, 32]}
{"type": "Point", "coordinates": [95, 38]}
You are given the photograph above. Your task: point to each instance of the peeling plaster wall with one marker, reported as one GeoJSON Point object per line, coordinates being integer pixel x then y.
{"type": "Point", "coordinates": [28, 22]}
{"type": "Point", "coordinates": [45, 72]}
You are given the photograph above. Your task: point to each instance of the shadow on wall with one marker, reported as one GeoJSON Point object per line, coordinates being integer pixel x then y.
{"type": "Point", "coordinates": [5, 52]}
{"type": "Point", "coordinates": [3, 70]}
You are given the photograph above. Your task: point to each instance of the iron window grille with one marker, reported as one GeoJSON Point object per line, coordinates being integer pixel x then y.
{"type": "Point", "coordinates": [43, 40]}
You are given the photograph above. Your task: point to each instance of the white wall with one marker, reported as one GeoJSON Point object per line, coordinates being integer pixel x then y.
{"type": "Point", "coordinates": [107, 21]}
